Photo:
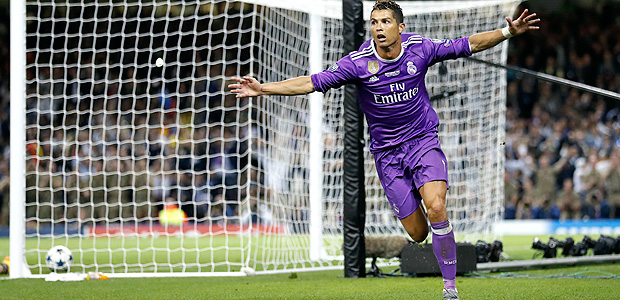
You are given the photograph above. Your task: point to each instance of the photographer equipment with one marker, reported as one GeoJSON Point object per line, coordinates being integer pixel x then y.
{"type": "Point", "coordinates": [569, 245]}
{"type": "Point", "coordinates": [486, 252]}
{"type": "Point", "coordinates": [606, 245]}
{"type": "Point", "coordinates": [419, 259]}
{"type": "Point", "coordinates": [582, 247]}
{"type": "Point", "coordinates": [550, 249]}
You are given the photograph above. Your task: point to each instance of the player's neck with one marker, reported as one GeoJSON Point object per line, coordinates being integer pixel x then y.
{"type": "Point", "coordinates": [391, 52]}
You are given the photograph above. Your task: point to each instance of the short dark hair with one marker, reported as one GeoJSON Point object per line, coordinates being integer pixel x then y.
{"type": "Point", "coordinates": [397, 12]}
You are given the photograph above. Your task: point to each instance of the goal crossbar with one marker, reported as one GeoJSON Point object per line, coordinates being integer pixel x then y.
{"type": "Point", "coordinates": [333, 8]}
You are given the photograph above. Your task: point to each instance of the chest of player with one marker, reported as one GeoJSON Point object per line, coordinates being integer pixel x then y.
{"type": "Point", "coordinates": [392, 82]}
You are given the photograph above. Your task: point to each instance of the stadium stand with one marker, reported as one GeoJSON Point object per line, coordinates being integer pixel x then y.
{"type": "Point", "coordinates": [562, 145]}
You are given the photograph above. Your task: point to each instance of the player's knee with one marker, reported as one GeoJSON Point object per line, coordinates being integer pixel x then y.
{"type": "Point", "coordinates": [436, 208]}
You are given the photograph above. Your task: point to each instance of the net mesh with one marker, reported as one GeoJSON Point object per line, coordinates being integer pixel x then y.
{"type": "Point", "coordinates": [146, 169]}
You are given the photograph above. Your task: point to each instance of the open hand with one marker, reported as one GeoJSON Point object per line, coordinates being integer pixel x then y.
{"type": "Point", "coordinates": [523, 24]}
{"type": "Point", "coordinates": [246, 87]}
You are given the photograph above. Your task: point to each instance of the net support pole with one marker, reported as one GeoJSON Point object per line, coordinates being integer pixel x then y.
{"type": "Point", "coordinates": [553, 79]}
{"type": "Point", "coordinates": [354, 202]}
{"type": "Point", "coordinates": [18, 139]}
{"type": "Point", "coordinates": [316, 141]}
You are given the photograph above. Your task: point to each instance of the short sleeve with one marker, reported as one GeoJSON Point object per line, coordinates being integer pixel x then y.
{"type": "Point", "coordinates": [343, 72]}
{"type": "Point", "coordinates": [440, 50]}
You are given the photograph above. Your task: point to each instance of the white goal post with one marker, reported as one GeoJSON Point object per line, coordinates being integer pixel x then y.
{"type": "Point", "coordinates": [147, 170]}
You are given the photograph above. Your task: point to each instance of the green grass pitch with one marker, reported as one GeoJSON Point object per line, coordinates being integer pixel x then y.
{"type": "Point", "coordinates": [529, 284]}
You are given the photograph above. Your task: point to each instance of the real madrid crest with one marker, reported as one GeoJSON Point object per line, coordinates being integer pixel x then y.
{"type": "Point", "coordinates": [373, 66]}
{"type": "Point", "coordinates": [411, 68]}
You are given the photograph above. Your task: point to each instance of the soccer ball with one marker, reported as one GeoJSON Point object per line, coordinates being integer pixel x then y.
{"type": "Point", "coordinates": [59, 258]}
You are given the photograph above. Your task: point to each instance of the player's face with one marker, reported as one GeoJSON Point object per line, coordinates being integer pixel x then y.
{"type": "Point", "coordinates": [385, 30]}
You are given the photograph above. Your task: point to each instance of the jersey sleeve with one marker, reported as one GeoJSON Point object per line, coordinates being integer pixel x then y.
{"type": "Point", "coordinates": [343, 72]}
{"type": "Point", "coordinates": [440, 50]}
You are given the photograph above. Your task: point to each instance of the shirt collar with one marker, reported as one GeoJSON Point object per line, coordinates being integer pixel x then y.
{"type": "Point", "coordinates": [374, 50]}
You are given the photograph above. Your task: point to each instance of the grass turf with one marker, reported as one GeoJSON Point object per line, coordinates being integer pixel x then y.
{"type": "Point", "coordinates": [331, 284]}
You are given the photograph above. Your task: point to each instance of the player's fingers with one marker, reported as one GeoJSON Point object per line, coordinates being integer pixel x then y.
{"type": "Point", "coordinates": [251, 79]}
{"type": "Point", "coordinates": [529, 17]}
{"type": "Point", "coordinates": [234, 86]}
{"type": "Point", "coordinates": [237, 79]}
{"type": "Point", "coordinates": [533, 21]}
{"type": "Point", "coordinates": [509, 20]}
{"type": "Point", "coordinates": [523, 14]}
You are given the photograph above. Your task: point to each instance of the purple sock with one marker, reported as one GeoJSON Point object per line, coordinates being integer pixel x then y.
{"type": "Point", "coordinates": [444, 248]}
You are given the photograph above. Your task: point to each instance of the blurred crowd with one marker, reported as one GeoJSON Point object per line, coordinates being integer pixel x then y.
{"type": "Point", "coordinates": [4, 116]}
{"type": "Point", "coordinates": [97, 153]}
{"type": "Point", "coordinates": [562, 144]}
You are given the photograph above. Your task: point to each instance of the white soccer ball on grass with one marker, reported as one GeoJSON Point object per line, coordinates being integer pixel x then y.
{"type": "Point", "coordinates": [59, 258]}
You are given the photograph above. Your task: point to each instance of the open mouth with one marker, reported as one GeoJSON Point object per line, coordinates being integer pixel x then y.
{"type": "Point", "coordinates": [381, 37]}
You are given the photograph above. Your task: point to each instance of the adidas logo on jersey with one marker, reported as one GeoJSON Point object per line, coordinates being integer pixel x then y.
{"type": "Point", "coordinates": [373, 79]}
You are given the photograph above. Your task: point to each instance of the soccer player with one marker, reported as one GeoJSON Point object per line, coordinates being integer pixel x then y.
{"type": "Point", "coordinates": [389, 71]}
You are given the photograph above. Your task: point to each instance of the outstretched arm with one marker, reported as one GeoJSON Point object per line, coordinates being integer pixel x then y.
{"type": "Point", "coordinates": [250, 87]}
{"type": "Point", "coordinates": [486, 40]}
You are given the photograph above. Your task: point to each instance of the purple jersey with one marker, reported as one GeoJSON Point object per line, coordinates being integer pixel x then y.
{"type": "Point", "coordinates": [392, 93]}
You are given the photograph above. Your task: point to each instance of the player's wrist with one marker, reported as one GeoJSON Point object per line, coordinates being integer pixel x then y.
{"type": "Point", "coordinates": [506, 32]}
{"type": "Point", "coordinates": [262, 90]}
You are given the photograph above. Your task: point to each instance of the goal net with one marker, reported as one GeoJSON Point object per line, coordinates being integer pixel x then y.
{"type": "Point", "coordinates": [148, 169]}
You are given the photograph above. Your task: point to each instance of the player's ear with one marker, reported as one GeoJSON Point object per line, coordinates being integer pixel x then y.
{"type": "Point", "coordinates": [401, 27]}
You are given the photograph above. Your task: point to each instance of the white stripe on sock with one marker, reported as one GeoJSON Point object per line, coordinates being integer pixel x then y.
{"type": "Point", "coordinates": [442, 231]}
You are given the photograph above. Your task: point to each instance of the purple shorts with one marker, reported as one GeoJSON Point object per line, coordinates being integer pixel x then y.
{"type": "Point", "coordinates": [405, 169]}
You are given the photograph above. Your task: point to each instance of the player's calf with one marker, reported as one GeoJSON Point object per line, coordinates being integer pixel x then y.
{"type": "Point", "coordinates": [418, 235]}
{"type": "Point", "coordinates": [416, 225]}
